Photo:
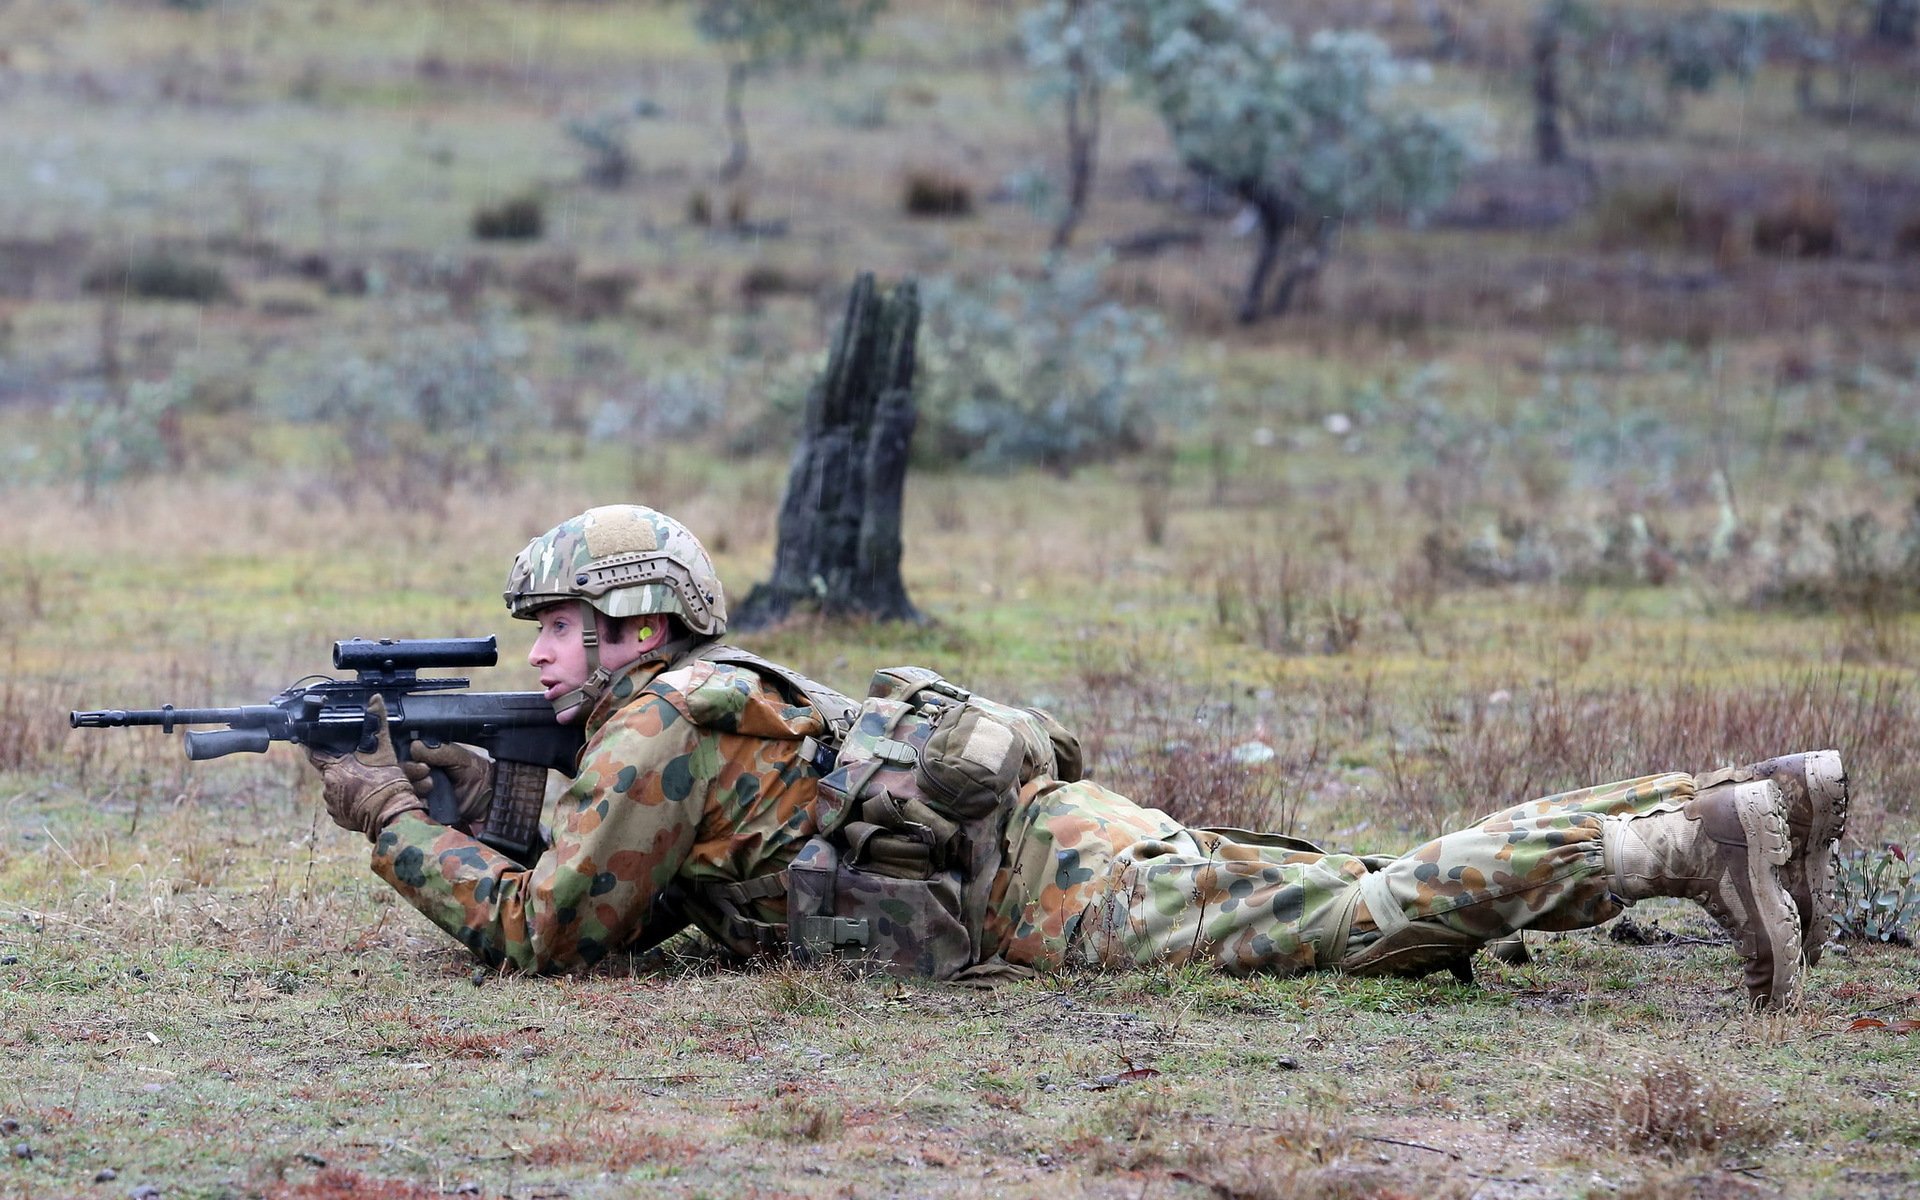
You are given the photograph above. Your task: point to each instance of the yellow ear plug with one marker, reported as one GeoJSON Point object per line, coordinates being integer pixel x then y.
{"type": "Point", "coordinates": [646, 631]}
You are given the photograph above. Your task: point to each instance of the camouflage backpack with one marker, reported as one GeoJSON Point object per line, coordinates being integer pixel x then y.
{"type": "Point", "coordinates": [912, 814]}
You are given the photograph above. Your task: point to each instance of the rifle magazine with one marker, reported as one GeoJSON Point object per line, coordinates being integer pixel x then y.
{"type": "Point", "coordinates": [513, 820]}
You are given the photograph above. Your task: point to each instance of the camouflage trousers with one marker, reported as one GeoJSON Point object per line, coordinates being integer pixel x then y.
{"type": "Point", "coordinates": [1094, 879]}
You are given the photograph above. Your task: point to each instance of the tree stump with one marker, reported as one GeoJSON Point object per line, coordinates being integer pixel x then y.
{"type": "Point", "coordinates": [838, 551]}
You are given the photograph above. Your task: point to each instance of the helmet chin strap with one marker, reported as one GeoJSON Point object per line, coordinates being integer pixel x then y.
{"type": "Point", "coordinates": [598, 677]}
{"type": "Point", "coordinates": [592, 632]}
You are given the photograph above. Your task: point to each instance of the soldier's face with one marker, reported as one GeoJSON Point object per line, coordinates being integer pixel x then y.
{"type": "Point", "coordinates": [561, 658]}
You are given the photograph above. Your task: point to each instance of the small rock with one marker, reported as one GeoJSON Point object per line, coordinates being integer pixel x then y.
{"type": "Point", "coordinates": [145, 1191]}
{"type": "Point", "coordinates": [479, 976]}
{"type": "Point", "coordinates": [9, 1125]}
{"type": "Point", "coordinates": [311, 1159]}
{"type": "Point", "coordinates": [1252, 754]}
{"type": "Point", "coordinates": [9, 960]}
{"type": "Point", "coordinates": [106, 1175]}
{"type": "Point", "coordinates": [23, 1152]}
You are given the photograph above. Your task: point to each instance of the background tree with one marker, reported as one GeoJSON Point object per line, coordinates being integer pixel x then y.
{"type": "Point", "coordinates": [1896, 22]}
{"type": "Point", "coordinates": [1293, 131]}
{"type": "Point", "coordinates": [1621, 72]}
{"type": "Point", "coordinates": [1076, 47]}
{"type": "Point", "coordinates": [758, 35]}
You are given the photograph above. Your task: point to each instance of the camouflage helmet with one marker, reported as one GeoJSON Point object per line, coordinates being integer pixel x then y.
{"type": "Point", "coordinates": [625, 560]}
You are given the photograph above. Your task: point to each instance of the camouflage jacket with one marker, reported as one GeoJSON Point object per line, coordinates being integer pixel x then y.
{"type": "Point", "coordinates": [690, 775]}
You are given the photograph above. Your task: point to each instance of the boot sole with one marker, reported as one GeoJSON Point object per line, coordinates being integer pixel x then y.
{"type": "Point", "coordinates": [1827, 797]}
{"type": "Point", "coordinates": [1809, 880]}
{"type": "Point", "coordinates": [1763, 818]}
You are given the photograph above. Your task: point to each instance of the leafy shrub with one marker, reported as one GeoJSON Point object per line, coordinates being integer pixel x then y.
{"type": "Point", "coordinates": [1866, 571]}
{"type": "Point", "coordinates": [437, 402]}
{"type": "Point", "coordinates": [515, 219]}
{"type": "Point", "coordinates": [1907, 241]}
{"type": "Point", "coordinates": [1876, 898]}
{"type": "Point", "coordinates": [1044, 371]}
{"type": "Point", "coordinates": [762, 280]}
{"type": "Point", "coordinates": [1664, 215]}
{"type": "Point", "coordinates": [106, 439]}
{"type": "Point", "coordinates": [866, 110]}
{"type": "Point", "coordinates": [555, 283]}
{"type": "Point", "coordinates": [1806, 226]}
{"type": "Point", "coordinates": [160, 274]}
{"type": "Point", "coordinates": [603, 138]}
{"type": "Point", "coordinates": [931, 193]}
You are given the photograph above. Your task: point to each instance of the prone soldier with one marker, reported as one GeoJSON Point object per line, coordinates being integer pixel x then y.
{"type": "Point", "coordinates": [709, 778]}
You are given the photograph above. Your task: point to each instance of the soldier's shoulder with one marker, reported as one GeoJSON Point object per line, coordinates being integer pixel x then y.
{"type": "Point", "coordinates": [707, 693]}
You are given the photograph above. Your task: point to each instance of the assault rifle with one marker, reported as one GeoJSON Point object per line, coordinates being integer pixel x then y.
{"type": "Point", "coordinates": [517, 728]}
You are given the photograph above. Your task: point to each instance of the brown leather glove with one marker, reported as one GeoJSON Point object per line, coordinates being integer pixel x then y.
{"type": "Point", "coordinates": [470, 772]}
{"type": "Point", "coordinates": [367, 789]}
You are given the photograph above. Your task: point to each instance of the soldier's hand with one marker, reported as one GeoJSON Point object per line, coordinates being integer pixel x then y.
{"type": "Point", "coordinates": [367, 789]}
{"type": "Point", "coordinates": [470, 772]}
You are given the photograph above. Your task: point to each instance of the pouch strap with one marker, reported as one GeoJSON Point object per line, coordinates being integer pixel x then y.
{"type": "Point", "coordinates": [734, 901]}
{"type": "Point", "coordinates": [1388, 916]}
{"type": "Point", "coordinates": [1333, 951]}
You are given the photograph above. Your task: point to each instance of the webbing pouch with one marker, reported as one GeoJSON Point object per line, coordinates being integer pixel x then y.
{"type": "Point", "coordinates": [906, 927]}
{"type": "Point", "coordinates": [875, 848]}
{"type": "Point", "coordinates": [972, 762]}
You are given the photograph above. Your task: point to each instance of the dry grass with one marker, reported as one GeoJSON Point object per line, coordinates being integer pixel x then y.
{"type": "Point", "coordinates": [203, 989]}
{"type": "Point", "coordinates": [1672, 1110]}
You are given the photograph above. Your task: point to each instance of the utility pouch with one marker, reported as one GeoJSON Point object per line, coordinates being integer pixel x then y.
{"type": "Point", "coordinates": [904, 926]}
{"type": "Point", "coordinates": [914, 814]}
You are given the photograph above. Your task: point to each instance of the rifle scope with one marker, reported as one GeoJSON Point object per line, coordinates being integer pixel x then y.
{"type": "Point", "coordinates": [408, 654]}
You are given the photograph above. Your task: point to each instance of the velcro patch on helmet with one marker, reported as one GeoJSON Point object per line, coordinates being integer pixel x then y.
{"type": "Point", "coordinates": [619, 530]}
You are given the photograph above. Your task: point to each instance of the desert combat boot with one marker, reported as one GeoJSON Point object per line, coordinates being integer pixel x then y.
{"type": "Point", "coordinates": [1814, 786]}
{"type": "Point", "coordinates": [1722, 849]}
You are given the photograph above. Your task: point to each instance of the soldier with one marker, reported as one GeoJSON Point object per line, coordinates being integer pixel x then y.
{"type": "Point", "coordinates": [698, 781]}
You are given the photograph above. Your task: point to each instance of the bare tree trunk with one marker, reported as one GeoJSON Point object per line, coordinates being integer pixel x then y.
{"type": "Point", "coordinates": [1303, 270]}
{"type": "Point", "coordinates": [1277, 216]}
{"type": "Point", "coordinates": [1083, 139]}
{"type": "Point", "coordinates": [838, 547]}
{"type": "Point", "coordinates": [736, 122]}
{"type": "Point", "coordinates": [1896, 22]}
{"type": "Point", "coordinates": [1549, 143]}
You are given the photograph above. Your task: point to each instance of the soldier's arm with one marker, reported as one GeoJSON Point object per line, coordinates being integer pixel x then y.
{"type": "Point", "coordinates": [621, 833]}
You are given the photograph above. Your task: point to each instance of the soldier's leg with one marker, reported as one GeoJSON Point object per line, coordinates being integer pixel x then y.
{"type": "Point", "coordinates": [1648, 793]}
{"type": "Point", "coordinates": [1606, 800]}
{"type": "Point", "coordinates": [1094, 878]}
{"type": "Point", "coordinates": [1078, 889]}
{"type": "Point", "coordinates": [1092, 872]}
{"type": "Point", "coordinates": [1538, 865]}
{"type": "Point", "coordinates": [1570, 867]}
{"type": "Point", "coordinates": [1813, 785]}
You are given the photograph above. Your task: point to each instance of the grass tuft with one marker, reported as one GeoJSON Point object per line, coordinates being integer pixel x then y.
{"type": "Point", "coordinates": [797, 1117]}
{"type": "Point", "coordinates": [1671, 1110]}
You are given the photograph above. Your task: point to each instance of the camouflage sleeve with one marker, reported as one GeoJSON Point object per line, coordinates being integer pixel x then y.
{"type": "Point", "coordinates": [621, 833]}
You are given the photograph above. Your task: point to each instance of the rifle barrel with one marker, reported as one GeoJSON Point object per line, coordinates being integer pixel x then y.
{"type": "Point", "coordinates": [167, 716]}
